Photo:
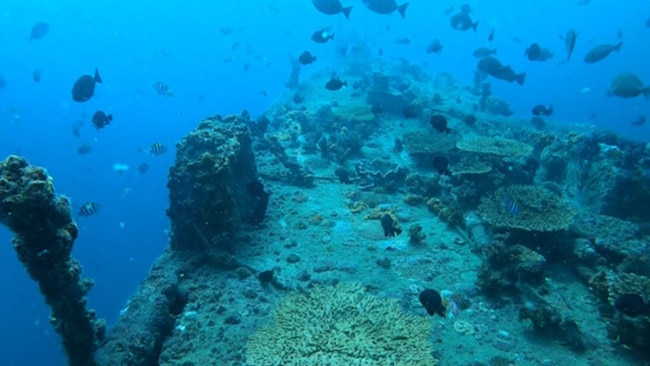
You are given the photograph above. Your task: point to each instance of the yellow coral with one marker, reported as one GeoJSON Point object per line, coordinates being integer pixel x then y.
{"type": "Point", "coordinates": [494, 145]}
{"type": "Point", "coordinates": [341, 325]}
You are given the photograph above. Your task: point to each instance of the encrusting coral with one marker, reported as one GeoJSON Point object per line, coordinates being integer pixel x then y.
{"type": "Point", "coordinates": [341, 325]}
{"type": "Point", "coordinates": [526, 207]}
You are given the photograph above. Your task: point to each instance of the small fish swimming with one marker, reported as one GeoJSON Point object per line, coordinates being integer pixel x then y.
{"type": "Point", "coordinates": [84, 149]}
{"type": "Point", "coordinates": [88, 209]}
{"type": "Point", "coordinates": [435, 46]}
{"type": "Point", "coordinates": [143, 168]}
{"type": "Point", "coordinates": [537, 53]}
{"type": "Point", "coordinates": [390, 225]}
{"type": "Point", "coordinates": [322, 36]}
{"type": "Point", "coordinates": [84, 88]}
{"type": "Point", "coordinates": [335, 84]}
{"type": "Point", "coordinates": [101, 119]}
{"type": "Point", "coordinates": [510, 206]}
{"type": "Point", "coordinates": [493, 67]}
{"type": "Point", "coordinates": [484, 52]}
{"type": "Point", "coordinates": [628, 85]}
{"type": "Point", "coordinates": [439, 123]}
{"type": "Point", "coordinates": [491, 36]}
{"type": "Point", "coordinates": [432, 302]}
{"type": "Point", "coordinates": [386, 7]}
{"type": "Point", "coordinates": [463, 22]}
{"type": "Point", "coordinates": [632, 305]}
{"type": "Point", "coordinates": [157, 149]}
{"type": "Point", "coordinates": [639, 121]}
{"type": "Point", "coordinates": [331, 7]}
{"type": "Point", "coordinates": [37, 75]}
{"type": "Point", "coordinates": [540, 109]}
{"type": "Point", "coordinates": [441, 164]}
{"type": "Point", "coordinates": [306, 58]}
{"type": "Point", "coordinates": [39, 30]}
{"type": "Point", "coordinates": [600, 52]}
{"type": "Point", "coordinates": [162, 88]}
{"type": "Point", "coordinates": [343, 175]}
{"type": "Point", "coordinates": [570, 42]}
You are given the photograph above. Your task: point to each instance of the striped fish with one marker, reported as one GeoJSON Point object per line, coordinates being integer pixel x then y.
{"type": "Point", "coordinates": [88, 209]}
{"type": "Point", "coordinates": [157, 149]}
{"type": "Point", "coordinates": [510, 206]}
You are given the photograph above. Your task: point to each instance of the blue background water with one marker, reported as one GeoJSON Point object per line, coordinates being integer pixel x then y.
{"type": "Point", "coordinates": [137, 43]}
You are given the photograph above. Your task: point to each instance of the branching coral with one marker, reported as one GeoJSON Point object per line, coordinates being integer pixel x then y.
{"type": "Point", "coordinates": [526, 207]}
{"type": "Point", "coordinates": [341, 325]}
{"type": "Point", "coordinates": [494, 145]}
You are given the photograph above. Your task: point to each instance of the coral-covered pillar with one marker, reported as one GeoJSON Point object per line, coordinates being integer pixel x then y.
{"type": "Point", "coordinates": [44, 234]}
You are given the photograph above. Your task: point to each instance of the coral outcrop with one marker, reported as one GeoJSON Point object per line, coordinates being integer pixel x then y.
{"type": "Point", "coordinates": [526, 207]}
{"type": "Point", "coordinates": [213, 186]}
{"type": "Point", "coordinates": [495, 146]}
{"type": "Point", "coordinates": [341, 325]}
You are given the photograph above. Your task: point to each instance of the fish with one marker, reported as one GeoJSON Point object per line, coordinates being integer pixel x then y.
{"type": "Point", "coordinates": [465, 8]}
{"type": "Point", "coordinates": [462, 22]}
{"type": "Point", "coordinates": [493, 67]}
{"type": "Point", "coordinates": [390, 225]}
{"type": "Point", "coordinates": [306, 58]}
{"type": "Point", "coordinates": [386, 7]}
{"type": "Point", "coordinates": [101, 119]}
{"type": "Point", "coordinates": [541, 109]}
{"type": "Point", "coordinates": [484, 52]}
{"type": "Point", "coordinates": [343, 175]}
{"type": "Point", "coordinates": [322, 36]}
{"type": "Point", "coordinates": [435, 46]}
{"type": "Point", "coordinates": [601, 51]}
{"type": "Point", "coordinates": [226, 31]}
{"type": "Point", "coordinates": [335, 84]}
{"type": "Point", "coordinates": [647, 23]}
{"type": "Point", "coordinates": [88, 209]}
{"type": "Point", "coordinates": [39, 30]}
{"type": "Point", "coordinates": [470, 120]}
{"type": "Point", "coordinates": [491, 35]}
{"type": "Point", "coordinates": [403, 41]}
{"type": "Point", "coordinates": [570, 42]}
{"type": "Point", "coordinates": [265, 276]}
{"type": "Point", "coordinates": [632, 305]}
{"type": "Point", "coordinates": [510, 206]}
{"type": "Point", "coordinates": [639, 121]}
{"type": "Point", "coordinates": [143, 168]}
{"type": "Point", "coordinates": [410, 111]}
{"type": "Point", "coordinates": [162, 88]}
{"type": "Point", "coordinates": [537, 53]}
{"type": "Point", "coordinates": [84, 149]}
{"type": "Point", "coordinates": [297, 98]}
{"type": "Point", "coordinates": [628, 85]}
{"type": "Point", "coordinates": [37, 75]}
{"type": "Point", "coordinates": [157, 149]}
{"type": "Point", "coordinates": [432, 302]}
{"type": "Point", "coordinates": [331, 7]}
{"type": "Point", "coordinates": [441, 164]}
{"type": "Point", "coordinates": [538, 122]}
{"type": "Point", "coordinates": [439, 123]}
{"type": "Point", "coordinates": [84, 88]}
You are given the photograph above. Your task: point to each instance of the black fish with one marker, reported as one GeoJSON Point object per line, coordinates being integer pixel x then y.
{"type": "Point", "coordinates": [599, 52]}
{"type": "Point", "coordinates": [143, 168]}
{"type": "Point", "coordinates": [84, 87]}
{"type": "Point", "coordinates": [403, 41]}
{"type": "Point", "coordinates": [343, 175]}
{"type": "Point", "coordinates": [435, 46]}
{"type": "Point", "coordinates": [410, 111]}
{"type": "Point", "coordinates": [536, 53]}
{"type": "Point", "coordinates": [331, 7]}
{"type": "Point", "coordinates": [465, 8]}
{"type": "Point", "coordinates": [335, 84]}
{"type": "Point", "coordinates": [542, 110]}
{"type": "Point", "coordinates": [463, 22]}
{"type": "Point", "coordinates": [493, 67]}
{"type": "Point", "coordinates": [265, 276]}
{"type": "Point", "coordinates": [432, 301]}
{"type": "Point", "coordinates": [84, 149]}
{"type": "Point", "coordinates": [390, 226]}
{"type": "Point", "coordinates": [570, 42]}
{"type": "Point", "coordinates": [632, 305]}
{"type": "Point", "coordinates": [322, 36]}
{"type": "Point", "coordinates": [88, 209]}
{"type": "Point", "coordinates": [39, 30]}
{"type": "Point", "coordinates": [297, 98]}
{"type": "Point", "coordinates": [491, 35]}
{"type": "Point", "coordinates": [157, 149]}
{"type": "Point", "coordinates": [306, 58]}
{"type": "Point", "coordinates": [639, 121]}
{"type": "Point", "coordinates": [386, 7]}
{"type": "Point", "coordinates": [470, 120]}
{"type": "Point", "coordinates": [439, 122]}
{"type": "Point", "coordinates": [36, 75]}
{"type": "Point", "coordinates": [101, 119]}
{"type": "Point", "coordinates": [441, 163]}
{"type": "Point", "coordinates": [484, 52]}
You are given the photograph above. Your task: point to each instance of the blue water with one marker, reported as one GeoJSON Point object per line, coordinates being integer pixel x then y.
{"type": "Point", "coordinates": [137, 43]}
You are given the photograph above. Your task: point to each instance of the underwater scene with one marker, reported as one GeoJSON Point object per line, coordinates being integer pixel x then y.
{"type": "Point", "coordinates": [325, 182]}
